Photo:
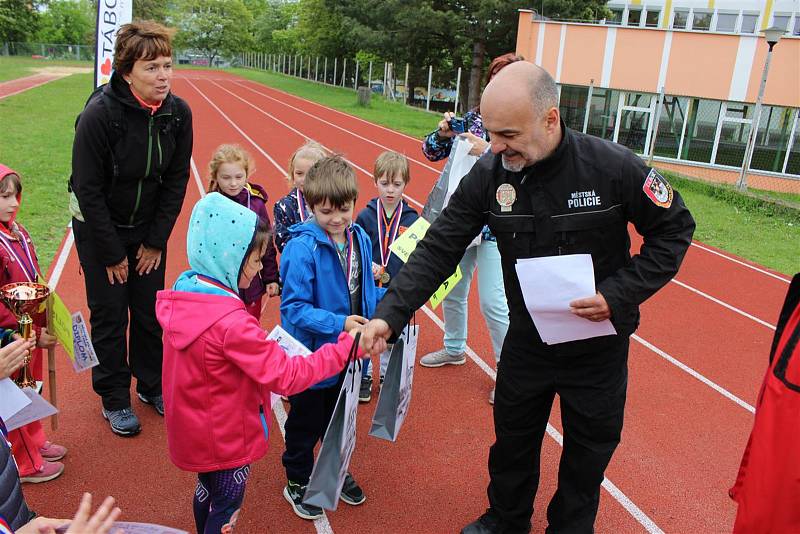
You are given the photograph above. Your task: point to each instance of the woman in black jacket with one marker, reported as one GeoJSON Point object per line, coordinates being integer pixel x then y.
{"type": "Point", "coordinates": [130, 167]}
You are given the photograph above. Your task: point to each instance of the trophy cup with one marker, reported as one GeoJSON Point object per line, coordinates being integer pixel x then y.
{"type": "Point", "coordinates": [24, 298]}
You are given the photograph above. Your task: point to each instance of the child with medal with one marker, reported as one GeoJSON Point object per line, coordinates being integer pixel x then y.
{"type": "Point", "coordinates": [384, 219]}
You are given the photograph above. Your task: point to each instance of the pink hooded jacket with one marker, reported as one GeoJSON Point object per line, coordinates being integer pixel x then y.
{"type": "Point", "coordinates": [218, 372]}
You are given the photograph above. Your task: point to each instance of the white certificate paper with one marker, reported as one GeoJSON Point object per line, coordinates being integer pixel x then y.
{"type": "Point", "coordinates": [37, 408]}
{"type": "Point", "coordinates": [290, 346]}
{"type": "Point", "coordinates": [12, 399]}
{"type": "Point", "coordinates": [548, 285]}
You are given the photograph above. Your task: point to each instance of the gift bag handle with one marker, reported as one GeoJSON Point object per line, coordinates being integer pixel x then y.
{"type": "Point", "coordinates": [353, 357]}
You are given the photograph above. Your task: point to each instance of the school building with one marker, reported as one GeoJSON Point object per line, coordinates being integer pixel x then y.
{"type": "Point", "coordinates": [678, 81]}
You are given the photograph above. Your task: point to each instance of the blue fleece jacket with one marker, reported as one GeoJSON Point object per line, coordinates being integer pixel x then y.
{"type": "Point", "coordinates": [368, 220]}
{"type": "Point", "coordinates": [220, 231]}
{"type": "Point", "coordinates": [316, 301]}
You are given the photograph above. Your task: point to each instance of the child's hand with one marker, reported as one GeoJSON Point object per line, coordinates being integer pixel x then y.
{"type": "Point", "coordinates": [273, 290]}
{"type": "Point", "coordinates": [46, 340]}
{"type": "Point", "coordinates": [354, 321]}
{"type": "Point", "coordinates": [376, 270]}
{"type": "Point", "coordinates": [12, 356]}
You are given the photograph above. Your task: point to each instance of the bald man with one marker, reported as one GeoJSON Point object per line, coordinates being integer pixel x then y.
{"type": "Point", "coordinates": [546, 190]}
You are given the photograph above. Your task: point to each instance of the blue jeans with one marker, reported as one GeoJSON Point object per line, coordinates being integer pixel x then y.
{"type": "Point", "coordinates": [491, 291]}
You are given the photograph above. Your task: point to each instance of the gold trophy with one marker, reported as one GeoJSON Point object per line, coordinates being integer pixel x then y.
{"type": "Point", "coordinates": [24, 298]}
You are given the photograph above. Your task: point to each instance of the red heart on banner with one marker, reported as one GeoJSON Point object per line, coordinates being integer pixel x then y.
{"type": "Point", "coordinates": [105, 68]}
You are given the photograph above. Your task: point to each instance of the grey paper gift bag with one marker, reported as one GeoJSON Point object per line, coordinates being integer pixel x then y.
{"type": "Point", "coordinates": [396, 391]}
{"type": "Point", "coordinates": [327, 477]}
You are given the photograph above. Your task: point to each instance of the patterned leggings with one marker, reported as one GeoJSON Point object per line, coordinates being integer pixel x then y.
{"type": "Point", "coordinates": [218, 498]}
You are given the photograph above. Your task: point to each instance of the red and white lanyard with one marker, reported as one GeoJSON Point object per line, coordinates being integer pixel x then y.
{"type": "Point", "coordinates": [27, 267]}
{"type": "Point", "coordinates": [387, 230]}
{"type": "Point", "coordinates": [301, 205]}
{"type": "Point", "coordinates": [350, 251]}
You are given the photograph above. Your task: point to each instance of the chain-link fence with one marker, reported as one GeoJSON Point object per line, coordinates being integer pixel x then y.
{"type": "Point", "coordinates": [48, 51]}
{"type": "Point", "coordinates": [422, 87]}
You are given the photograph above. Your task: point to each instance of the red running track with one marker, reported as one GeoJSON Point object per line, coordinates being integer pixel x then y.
{"type": "Point", "coordinates": [20, 85]}
{"type": "Point", "coordinates": [695, 367]}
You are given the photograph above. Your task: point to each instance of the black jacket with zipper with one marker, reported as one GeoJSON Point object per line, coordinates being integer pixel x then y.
{"type": "Point", "coordinates": [579, 200]}
{"type": "Point", "coordinates": [139, 182]}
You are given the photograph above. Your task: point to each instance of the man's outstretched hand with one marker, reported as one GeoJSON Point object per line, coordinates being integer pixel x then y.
{"type": "Point", "coordinates": [374, 336]}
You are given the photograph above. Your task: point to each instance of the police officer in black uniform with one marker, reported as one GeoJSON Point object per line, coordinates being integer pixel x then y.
{"type": "Point", "coordinates": [544, 191]}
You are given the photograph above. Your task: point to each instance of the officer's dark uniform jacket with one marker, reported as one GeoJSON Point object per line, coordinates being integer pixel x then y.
{"type": "Point", "coordinates": [138, 184]}
{"type": "Point", "coordinates": [579, 200]}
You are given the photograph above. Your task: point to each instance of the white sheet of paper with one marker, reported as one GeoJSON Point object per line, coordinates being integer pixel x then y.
{"type": "Point", "coordinates": [12, 399]}
{"type": "Point", "coordinates": [38, 408]}
{"type": "Point", "coordinates": [548, 285]}
{"type": "Point", "coordinates": [290, 345]}
{"type": "Point", "coordinates": [135, 528]}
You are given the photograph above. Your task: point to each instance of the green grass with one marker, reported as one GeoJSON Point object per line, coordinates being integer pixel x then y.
{"type": "Point", "coordinates": [749, 226]}
{"type": "Point", "coordinates": [394, 115]}
{"type": "Point", "coordinates": [36, 141]}
{"type": "Point", "coordinates": [12, 67]}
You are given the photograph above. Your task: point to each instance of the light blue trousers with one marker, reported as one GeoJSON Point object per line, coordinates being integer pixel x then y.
{"type": "Point", "coordinates": [491, 292]}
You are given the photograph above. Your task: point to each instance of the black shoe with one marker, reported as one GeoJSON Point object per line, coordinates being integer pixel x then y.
{"type": "Point", "coordinates": [489, 523]}
{"type": "Point", "coordinates": [156, 401]}
{"type": "Point", "coordinates": [294, 493]}
{"type": "Point", "coordinates": [365, 393]}
{"type": "Point", "coordinates": [123, 422]}
{"type": "Point", "coordinates": [351, 492]}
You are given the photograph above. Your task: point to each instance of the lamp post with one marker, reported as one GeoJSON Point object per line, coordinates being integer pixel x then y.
{"type": "Point", "coordinates": [772, 35]}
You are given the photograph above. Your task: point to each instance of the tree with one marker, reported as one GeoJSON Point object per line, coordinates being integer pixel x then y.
{"type": "Point", "coordinates": [18, 20]}
{"type": "Point", "coordinates": [214, 27]}
{"type": "Point", "coordinates": [156, 10]}
{"type": "Point", "coordinates": [66, 22]}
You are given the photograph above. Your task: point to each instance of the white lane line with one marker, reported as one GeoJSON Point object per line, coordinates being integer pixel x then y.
{"type": "Point", "coordinates": [353, 117]}
{"type": "Point", "coordinates": [694, 244]}
{"type": "Point", "coordinates": [713, 385]}
{"type": "Point", "coordinates": [322, 525]}
{"type": "Point", "coordinates": [740, 262]}
{"type": "Point", "coordinates": [298, 132]}
{"type": "Point", "coordinates": [63, 255]}
{"type": "Point", "coordinates": [634, 510]}
{"type": "Point", "coordinates": [350, 132]}
{"type": "Point", "coordinates": [724, 304]}
{"type": "Point", "coordinates": [641, 517]}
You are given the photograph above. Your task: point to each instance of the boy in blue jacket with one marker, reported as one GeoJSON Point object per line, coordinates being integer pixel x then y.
{"type": "Point", "coordinates": [384, 219]}
{"type": "Point", "coordinates": [328, 288]}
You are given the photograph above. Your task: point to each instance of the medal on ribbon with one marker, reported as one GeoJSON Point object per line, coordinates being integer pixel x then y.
{"type": "Point", "coordinates": [301, 205]}
{"type": "Point", "coordinates": [387, 233]}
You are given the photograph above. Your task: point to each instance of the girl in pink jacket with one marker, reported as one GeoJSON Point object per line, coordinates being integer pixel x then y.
{"type": "Point", "coordinates": [219, 369]}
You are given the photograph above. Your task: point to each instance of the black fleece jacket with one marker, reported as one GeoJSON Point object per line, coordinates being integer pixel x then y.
{"type": "Point", "coordinates": [140, 182]}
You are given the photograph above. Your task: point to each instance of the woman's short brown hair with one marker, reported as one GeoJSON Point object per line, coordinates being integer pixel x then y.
{"type": "Point", "coordinates": [499, 63]}
{"type": "Point", "coordinates": [330, 179]}
{"type": "Point", "coordinates": [141, 40]}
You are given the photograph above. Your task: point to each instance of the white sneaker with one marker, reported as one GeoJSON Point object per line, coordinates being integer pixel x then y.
{"type": "Point", "coordinates": [441, 357]}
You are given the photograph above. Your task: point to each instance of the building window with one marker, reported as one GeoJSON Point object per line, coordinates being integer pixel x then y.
{"type": "Point", "coordinates": [634, 17]}
{"type": "Point", "coordinates": [796, 30]}
{"type": "Point", "coordinates": [573, 106]}
{"type": "Point", "coordinates": [793, 164]}
{"type": "Point", "coordinates": [701, 20]}
{"type": "Point", "coordinates": [616, 15]}
{"type": "Point", "coordinates": [701, 129]}
{"type": "Point", "coordinates": [781, 21]}
{"type": "Point", "coordinates": [749, 23]}
{"type": "Point", "coordinates": [633, 125]}
{"type": "Point", "coordinates": [772, 138]}
{"type": "Point", "coordinates": [733, 133]}
{"type": "Point", "coordinates": [603, 113]}
{"type": "Point", "coordinates": [680, 18]}
{"type": "Point", "coordinates": [726, 22]}
{"type": "Point", "coordinates": [651, 19]}
{"type": "Point", "coordinates": [670, 126]}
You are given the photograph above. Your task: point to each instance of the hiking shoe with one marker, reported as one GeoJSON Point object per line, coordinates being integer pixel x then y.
{"type": "Point", "coordinates": [365, 392]}
{"type": "Point", "coordinates": [491, 397]}
{"type": "Point", "coordinates": [123, 422]}
{"type": "Point", "coordinates": [490, 523]}
{"type": "Point", "coordinates": [441, 357]}
{"type": "Point", "coordinates": [52, 452]}
{"type": "Point", "coordinates": [294, 493]}
{"type": "Point", "coordinates": [156, 401]}
{"type": "Point", "coordinates": [351, 492]}
{"type": "Point", "coordinates": [47, 472]}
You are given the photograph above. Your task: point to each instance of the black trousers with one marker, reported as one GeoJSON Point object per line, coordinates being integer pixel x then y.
{"type": "Point", "coordinates": [110, 307]}
{"type": "Point", "coordinates": [306, 424]}
{"type": "Point", "coordinates": [592, 387]}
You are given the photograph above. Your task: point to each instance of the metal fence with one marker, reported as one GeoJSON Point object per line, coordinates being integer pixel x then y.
{"type": "Point", "coordinates": [48, 51]}
{"type": "Point", "coordinates": [438, 92]}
